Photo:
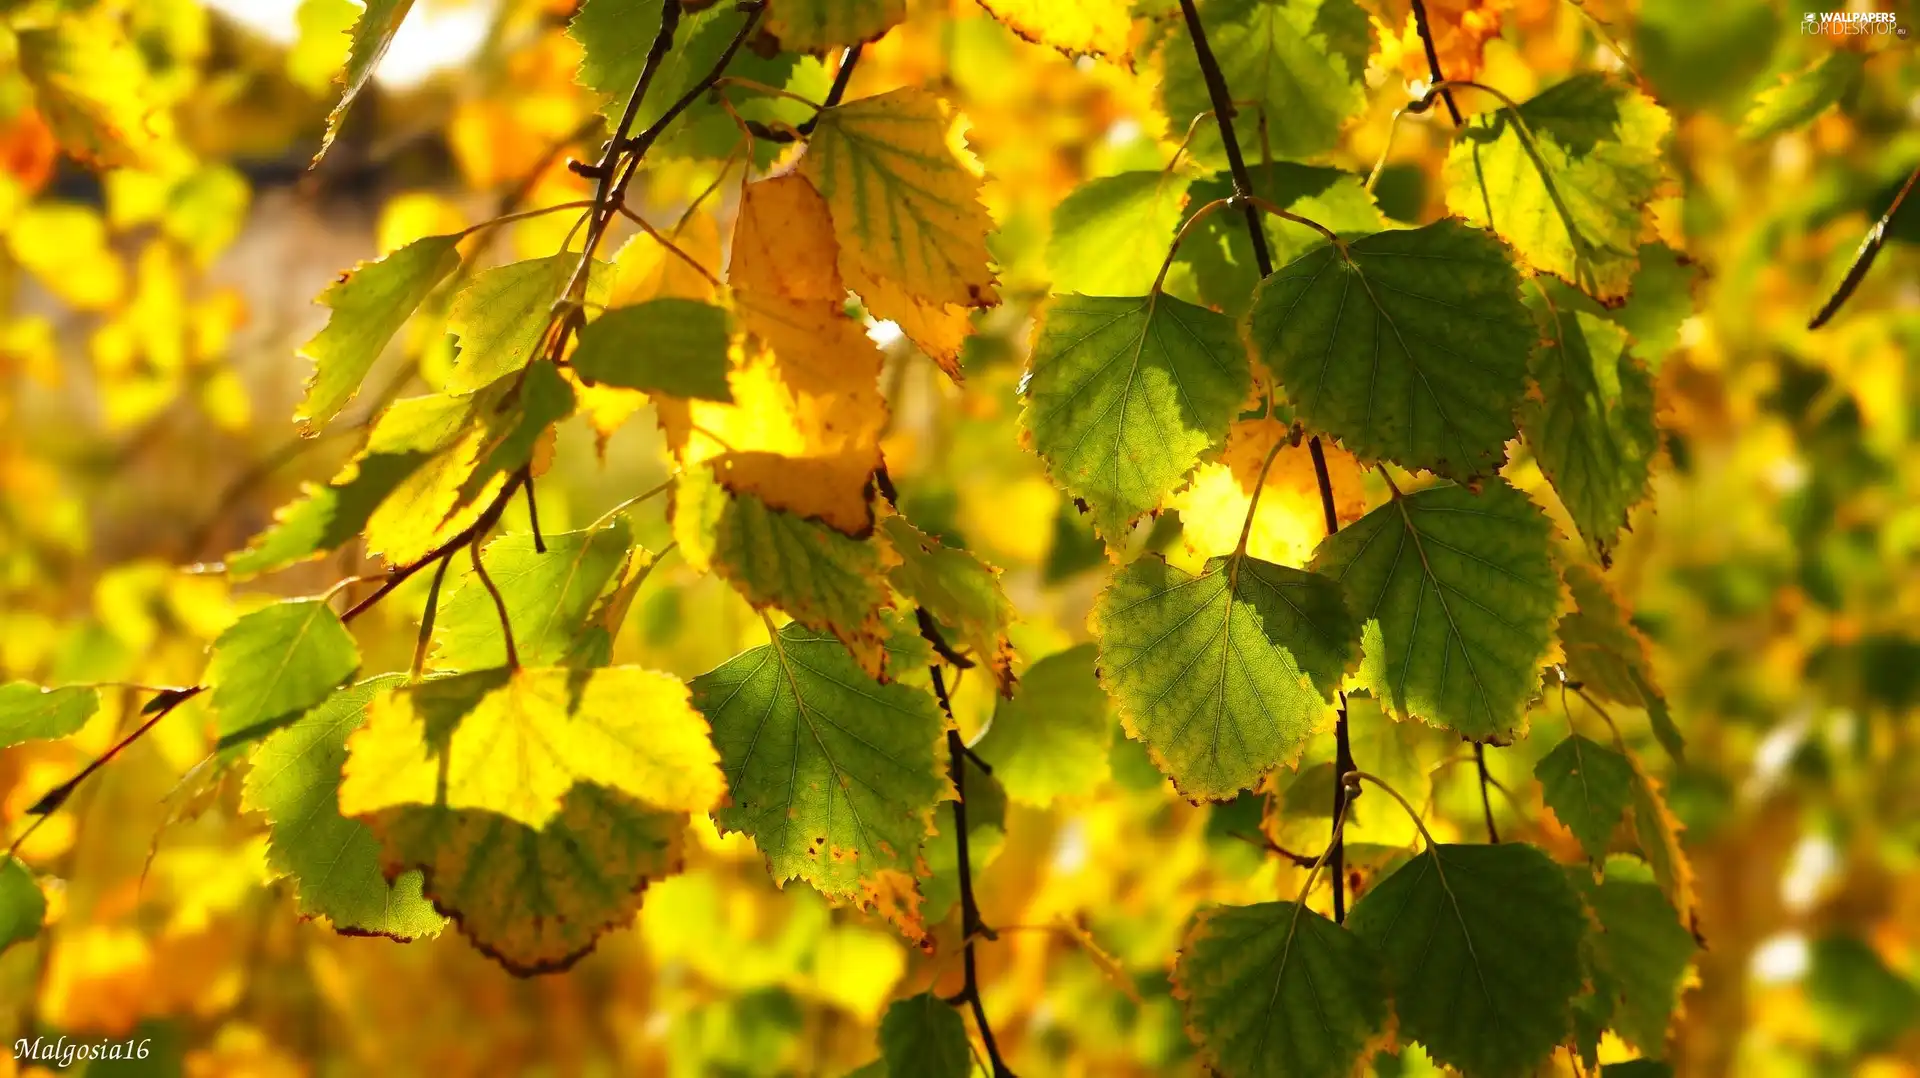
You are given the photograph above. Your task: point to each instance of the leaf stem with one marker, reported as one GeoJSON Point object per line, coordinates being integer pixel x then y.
{"type": "Point", "coordinates": [1289, 215]}
{"type": "Point", "coordinates": [533, 511]}
{"type": "Point", "coordinates": [1355, 778]}
{"type": "Point", "coordinates": [1863, 257]}
{"type": "Point", "coordinates": [1193, 221]}
{"type": "Point", "coordinates": [427, 619]}
{"type": "Point", "coordinates": [1260, 484]}
{"type": "Point", "coordinates": [1486, 796]}
{"type": "Point", "coordinates": [672, 247]}
{"type": "Point", "coordinates": [499, 603]}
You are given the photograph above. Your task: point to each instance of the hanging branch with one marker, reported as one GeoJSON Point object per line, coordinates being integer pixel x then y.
{"type": "Point", "coordinates": [971, 927]}
{"type": "Point", "coordinates": [1486, 796]}
{"type": "Point", "coordinates": [1256, 232]}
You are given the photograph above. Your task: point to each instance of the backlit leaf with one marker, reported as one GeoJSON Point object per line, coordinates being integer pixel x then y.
{"type": "Point", "coordinates": [1658, 833]}
{"type": "Point", "coordinates": [834, 776]}
{"type": "Point", "coordinates": [904, 208]}
{"type": "Point", "coordinates": [1481, 949]}
{"type": "Point", "coordinates": [1075, 27]}
{"type": "Point", "coordinates": [1588, 786]}
{"type": "Point", "coordinates": [276, 663]}
{"type": "Point", "coordinates": [1225, 675]}
{"type": "Point", "coordinates": [1302, 61]}
{"type": "Point", "coordinates": [1050, 739]}
{"type": "Point", "coordinates": [550, 596]}
{"type": "Point", "coordinates": [513, 743]}
{"type": "Point", "coordinates": [1111, 234]}
{"type": "Point", "coordinates": [379, 21]}
{"type": "Point", "coordinates": [31, 713]}
{"type": "Point", "coordinates": [1609, 657]}
{"type": "Point", "coordinates": [535, 901]}
{"type": "Point", "coordinates": [1125, 396]}
{"type": "Point", "coordinates": [924, 1035]}
{"type": "Point", "coordinates": [1409, 345]}
{"type": "Point", "coordinates": [502, 315]}
{"type": "Point", "coordinates": [813, 25]}
{"type": "Point", "coordinates": [1661, 300]}
{"type": "Point", "coordinates": [1220, 251]}
{"type": "Point", "coordinates": [1643, 950]}
{"type": "Point", "coordinates": [1592, 427]}
{"type": "Point", "coordinates": [370, 303]}
{"type": "Point", "coordinates": [335, 862]}
{"type": "Point", "coordinates": [92, 87]}
{"type": "Point", "coordinates": [818, 576]}
{"type": "Point", "coordinates": [1458, 597]}
{"type": "Point", "coordinates": [22, 904]}
{"type": "Point", "coordinates": [961, 592]}
{"type": "Point", "coordinates": [673, 346]}
{"type": "Point", "coordinates": [1803, 95]}
{"type": "Point", "coordinates": [1275, 990]}
{"type": "Point", "coordinates": [1600, 144]}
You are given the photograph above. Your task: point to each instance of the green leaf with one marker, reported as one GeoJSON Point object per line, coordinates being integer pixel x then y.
{"type": "Point", "coordinates": [1458, 596]}
{"type": "Point", "coordinates": [1662, 298]}
{"type": "Point", "coordinates": [673, 346]}
{"type": "Point", "coordinates": [1125, 396]}
{"type": "Point", "coordinates": [615, 37]}
{"type": "Point", "coordinates": [986, 830]}
{"type": "Point", "coordinates": [1481, 948]}
{"type": "Point", "coordinates": [1050, 740]}
{"type": "Point", "coordinates": [960, 591]}
{"type": "Point", "coordinates": [1859, 1005]}
{"type": "Point", "coordinates": [834, 775]}
{"type": "Point", "coordinates": [1643, 950]}
{"type": "Point", "coordinates": [1225, 675]}
{"type": "Point", "coordinates": [1220, 251]}
{"type": "Point", "coordinates": [1658, 834]}
{"type": "Point", "coordinates": [819, 576]}
{"type": "Point", "coordinates": [325, 517]}
{"type": "Point", "coordinates": [1592, 425]}
{"type": "Point", "coordinates": [550, 597]}
{"type": "Point", "coordinates": [371, 35]}
{"type": "Point", "coordinates": [513, 742]}
{"type": "Point", "coordinates": [1409, 345]}
{"type": "Point", "coordinates": [276, 663]}
{"type": "Point", "coordinates": [1699, 56]}
{"type": "Point", "coordinates": [1275, 990]}
{"type": "Point", "coordinates": [370, 303]}
{"type": "Point", "coordinates": [536, 901]}
{"type": "Point", "coordinates": [1580, 208]}
{"type": "Point", "coordinates": [1303, 61]}
{"type": "Point", "coordinates": [31, 713]}
{"type": "Point", "coordinates": [1111, 234]}
{"type": "Point", "coordinates": [924, 1036]}
{"type": "Point", "coordinates": [334, 861]}
{"type": "Point", "coordinates": [1588, 787]}
{"type": "Point", "coordinates": [22, 904]}
{"type": "Point", "coordinates": [1803, 95]}
{"type": "Point", "coordinates": [502, 315]}
{"type": "Point", "coordinates": [812, 25]}
{"type": "Point", "coordinates": [1609, 657]}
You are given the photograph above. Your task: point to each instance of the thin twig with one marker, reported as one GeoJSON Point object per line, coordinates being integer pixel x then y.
{"type": "Point", "coordinates": [1486, 798]}
{"type": "Point", "coordinates": [1863, 257]}
{"type": "Point", "coordinates": [1433, 58]}
{"type": "Point", "coordinates": [533, 511]}
{"type": "Point", "coordinates": [1256, 232]}
{"type": "Point", "coordinates": [970, 924]}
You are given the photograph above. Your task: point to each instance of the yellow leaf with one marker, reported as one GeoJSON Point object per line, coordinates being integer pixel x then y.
{"type": "Point", "coordinates": [937, 329]}
{"type": "Point", "coordinates": [1100, 27]}
{"type": "Point", "coordinates": [783, 244]}
{"type": "Point", "coordinates": [513, 743]}
{"type": "Point", "coordinates": [904, 207]}
{"type": "Point", "coordinates": [92, 88]}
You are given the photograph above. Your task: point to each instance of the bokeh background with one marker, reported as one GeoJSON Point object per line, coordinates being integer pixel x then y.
{"type": "Point", "coordinates": [149, 320]}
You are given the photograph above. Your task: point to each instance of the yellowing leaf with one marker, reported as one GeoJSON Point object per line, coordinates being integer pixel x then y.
{"type": "Point", "coordinates": [514, 742]}
{"type": "Point", "coordinates": [503, 315]}
{"type": "Point", "coordinates": [904, 208]}
{"type": "Point", "coordinates": [960, 591]}
{"type": "Point", "coordinates": [1460, 28]}
{"type": "Point", "coordinates": [92, 88]}
{"type": "Point", "coordinates": [783, 243]}
{"type": "Point", "coordinates": [535, 901]}
{"type": "Point", "coordinates": [813, 25]}
{"type": "Point", "coordinates": [1075, 27]}
{"type": "Point", "coordinates": [371, 35]}
{"type": "Point", "coordinates": [820, 577]}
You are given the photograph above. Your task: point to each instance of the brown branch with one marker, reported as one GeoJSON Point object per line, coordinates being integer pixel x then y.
{"type": "Point", "coordinates": [970, 924]}
{"type": "Point", "coordinates": [1433, 58]}
{"type": "Point", "coordinates": [1486, 798]}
